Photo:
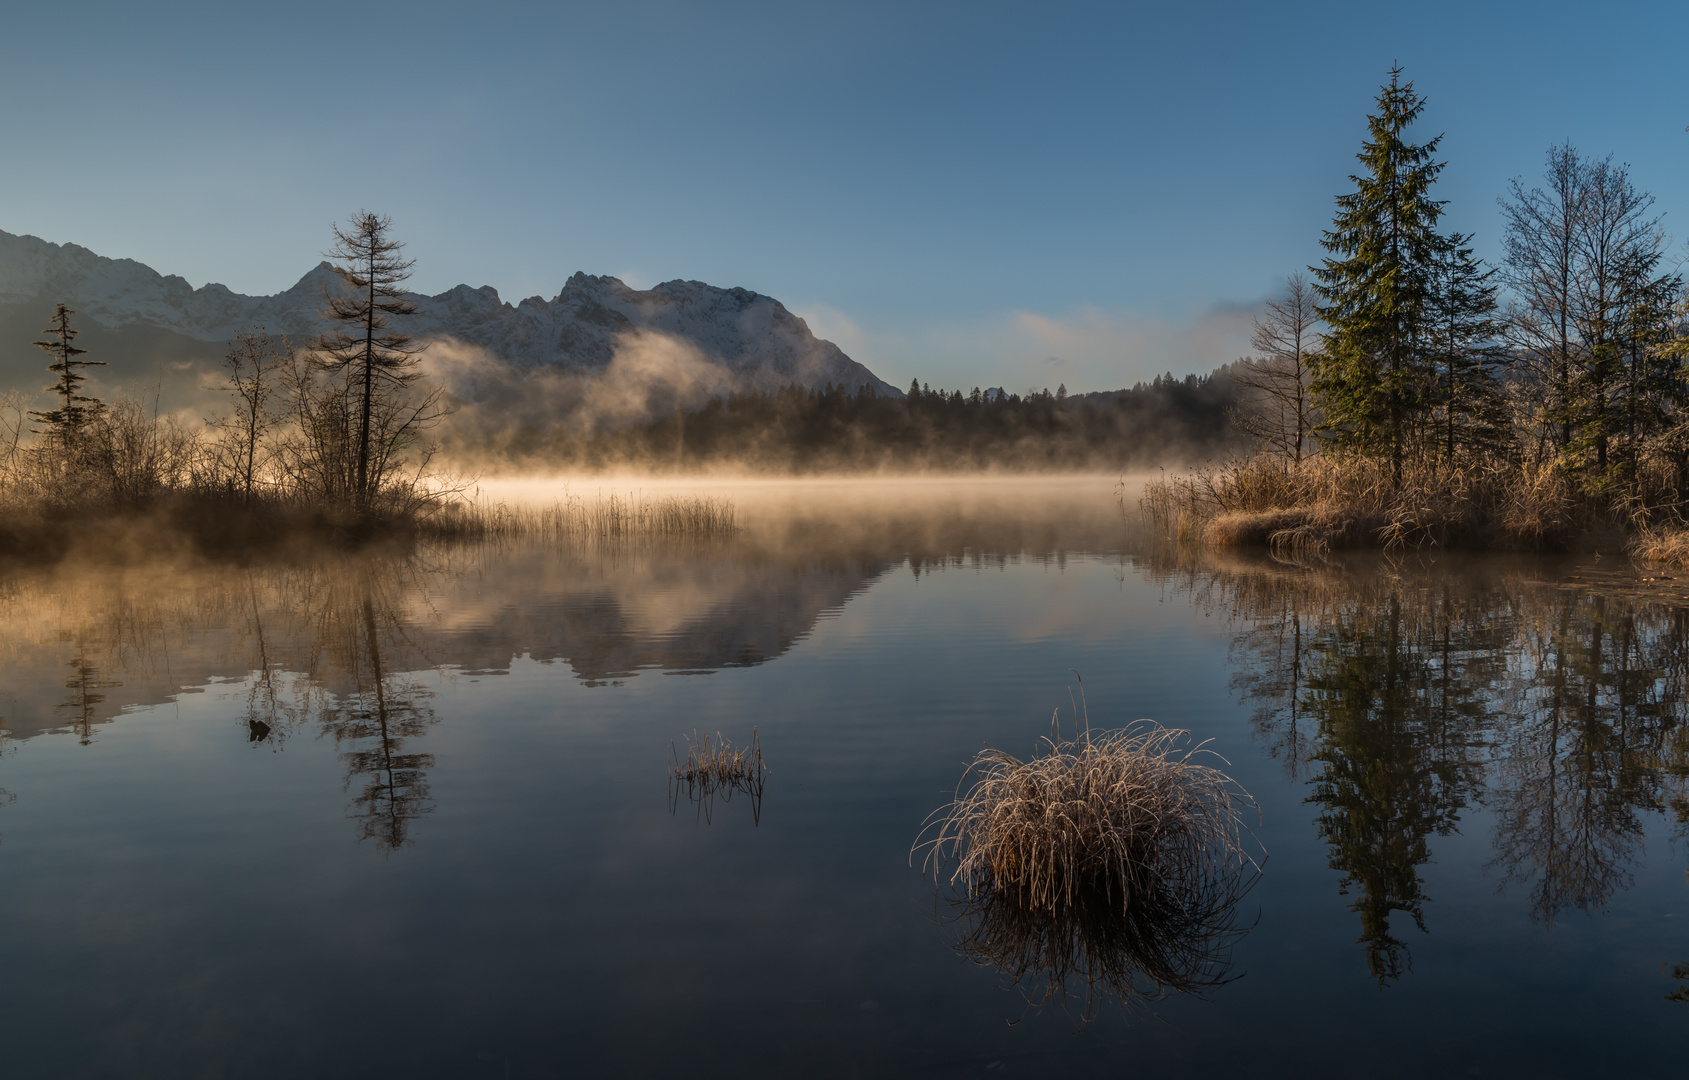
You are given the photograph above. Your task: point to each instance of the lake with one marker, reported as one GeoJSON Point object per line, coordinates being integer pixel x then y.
{"type": "Point", "coordinates": [410, 813]}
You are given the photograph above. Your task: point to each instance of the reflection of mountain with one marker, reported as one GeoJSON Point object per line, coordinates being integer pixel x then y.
{"type": "Point", "coordinates": [670, 610]}
{"type": "Point", "coordinates": [134, 636]}
{"type": "Point", "coordinates": [130, 638]}
{"type": "Point", "coordinates": [1410, 694]}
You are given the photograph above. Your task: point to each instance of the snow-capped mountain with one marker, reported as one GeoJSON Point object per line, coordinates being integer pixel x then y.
{"type": "Point", "coordinates": [752, 335]}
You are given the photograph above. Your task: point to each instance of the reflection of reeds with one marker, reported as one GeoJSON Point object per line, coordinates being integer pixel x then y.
{"type": "Point", "coordinates": [614, 516]}
{"type": "Point", "coordinates": [1113, 859]}
{"type": "Point", "coordinates": [713, 767]}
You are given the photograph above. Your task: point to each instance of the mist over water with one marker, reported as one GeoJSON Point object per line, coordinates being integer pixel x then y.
{"type": "Point", "coordinates": [261, 811]}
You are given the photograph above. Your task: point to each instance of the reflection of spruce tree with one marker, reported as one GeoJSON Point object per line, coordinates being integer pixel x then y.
{"type": "Point", "coordinates": [1392, 774]}
{"type": "Point", "coordinates": [82, 685]}
{"type": "Point", "coordinates": [377, 720]}
{"type": "Point", "coordinates": [1580, 759]}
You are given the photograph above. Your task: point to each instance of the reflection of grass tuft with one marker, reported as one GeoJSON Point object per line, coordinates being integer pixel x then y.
{"type": "Point", "coordinates": [1681, 994]}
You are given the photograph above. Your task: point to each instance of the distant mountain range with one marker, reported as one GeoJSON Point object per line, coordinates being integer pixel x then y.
{"type": "Point", "coordinates": [751, 335]}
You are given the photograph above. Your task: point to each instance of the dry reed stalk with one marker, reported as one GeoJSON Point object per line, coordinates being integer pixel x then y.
{"type": "Point", "coordinates": [1115, 857]}
{"type": "Point", "coordinates": [1322, 505]}
{"type": "Point", "coordinates": [1660, 547]}
{"type": "Point", "coordinates": [614, 517]}
{"type": "Point", "coordinates": [715, 768]}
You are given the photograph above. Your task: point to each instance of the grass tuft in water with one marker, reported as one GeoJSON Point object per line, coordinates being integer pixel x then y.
{"type": "Point", "coordinates": [714, 768]}
{"type": "Point", "coordinates": [1113, 859]}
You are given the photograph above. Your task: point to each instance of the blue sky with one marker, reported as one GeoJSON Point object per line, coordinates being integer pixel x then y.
{"type": "Point", "coordinates": [972, 193]}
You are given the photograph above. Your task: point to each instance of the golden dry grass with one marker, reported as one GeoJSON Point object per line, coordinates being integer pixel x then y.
{"type": "Point", "coordinates": [1324, 505]}
{"type": "Point", "coordinates": [613, 516]}
{"type": "Point", "coordinates": [1113, 860]}
{"type": "Point", "coordinates": [1660, 547]}
{"type": "Point", "coordinates": [713, 768]}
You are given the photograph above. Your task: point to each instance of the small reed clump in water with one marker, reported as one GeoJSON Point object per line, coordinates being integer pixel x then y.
{"type": "Point", "coordinates": [1111, 857]}
{"type": "Point", "coordinates": [613, 517]}
{"type": "Point", "coordinates": [713, 767]}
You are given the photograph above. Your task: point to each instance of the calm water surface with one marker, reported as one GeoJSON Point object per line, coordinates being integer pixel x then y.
{"type": "Point", "coordinates": [409, 815]}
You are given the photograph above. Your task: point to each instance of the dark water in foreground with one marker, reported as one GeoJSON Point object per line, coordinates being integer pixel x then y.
{"type": "Point", "coordinates": [409, 816]}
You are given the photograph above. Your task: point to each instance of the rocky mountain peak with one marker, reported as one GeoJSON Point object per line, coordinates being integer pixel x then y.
{"type": "Point", "coordinates": [754, 336]}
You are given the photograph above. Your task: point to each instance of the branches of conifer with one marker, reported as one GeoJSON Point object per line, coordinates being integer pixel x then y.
{"type": "Point", "coordinates": [377, 360]}
{"type": "Point", "coordinates": [75, 410]}
{"type": "Point", "coordinates": [1376, 285]}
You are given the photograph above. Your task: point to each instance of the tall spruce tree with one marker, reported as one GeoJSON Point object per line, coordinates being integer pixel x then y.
{"type": "Point", "coordinates": [1369, 381]}
{"type": "Point", "coordinates": [1463, 355]}
{"type": "Point", "coordinates": [379, 360]}
{"type": "Point", "coordinates": [75, 409]}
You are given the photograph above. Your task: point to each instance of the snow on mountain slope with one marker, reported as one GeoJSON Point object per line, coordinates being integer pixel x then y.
{"type": "Point", "coordinates": [752, 335]}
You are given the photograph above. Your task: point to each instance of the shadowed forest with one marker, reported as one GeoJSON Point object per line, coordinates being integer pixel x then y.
{"type": "Point", "coordinates": [797, 430]}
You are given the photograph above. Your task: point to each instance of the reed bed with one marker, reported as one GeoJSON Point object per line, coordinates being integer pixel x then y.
{"type": "Point", "coordinates": [1660, 547]}
{"type": "Point", "coordinates": [1113, 858]}
{"type": "Point", "coordinates": [613, 516]}
{"type": "Point", "coordinates": [714, 768]}
{"type": "Point", "coordinates": [1323, 505]}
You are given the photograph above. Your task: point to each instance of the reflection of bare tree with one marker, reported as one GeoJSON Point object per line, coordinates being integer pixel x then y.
{"type": "Point", "coordinates": [1578, 761]}
{"type": "Point", "coordinates": [268, 716]}
{"type": "Point", "coordinates": [1271, 656]}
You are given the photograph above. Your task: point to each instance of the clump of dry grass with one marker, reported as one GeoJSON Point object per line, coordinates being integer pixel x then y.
{"type": "Point", "coordinates": [1660, 547]}
{"type": "Point", "coordinates": [1324, 504]}
{"type": "Point", "coordinates": [714, 767]}
{"type": "Point", "coordinates": [1112, 858]}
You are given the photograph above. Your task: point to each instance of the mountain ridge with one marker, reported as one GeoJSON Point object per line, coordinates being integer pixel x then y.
{"type": "Point", "coordinates": [754, 336]}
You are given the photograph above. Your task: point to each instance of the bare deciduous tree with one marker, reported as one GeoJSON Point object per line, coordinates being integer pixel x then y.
{"type": "Point", "coordinates": [1591, 306]}
{"type": "Point", "coordinates": [252, 371]}
{"type": "Point", "coordinates": [1541, 268]}
{"type": "Point", "coordinates": [1282, 413]}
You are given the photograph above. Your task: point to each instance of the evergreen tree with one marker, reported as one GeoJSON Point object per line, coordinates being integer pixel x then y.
{"type": "Point", "coordinates": [1464, 359]}
{"type": "Point", "coordinates": [75, 410]}
{"type": "Point", "coordinates": [1652, 390]}
{"type": "Point", "coordinates": [1369, 381]}
{"type": "Point", "coordinates": [380, 361]}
